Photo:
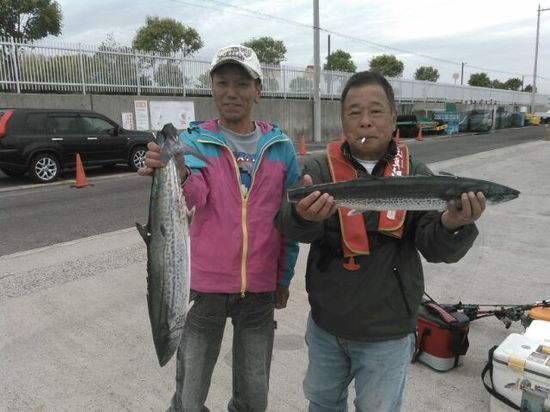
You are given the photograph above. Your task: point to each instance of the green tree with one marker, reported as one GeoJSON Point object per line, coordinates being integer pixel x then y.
{"type": "Point", "coordinates": [269, 50]}
{"type": "Point", "coordinates": [303, 85]}
{"type": "Point", "coordinates": [169, 74]}
{"type": "Point", "coordinates": [29, 19]}
{"type": "Point", "coordinates": [387, 65]}
{"type": "Point", "coordinates": [528, 88]}
{"type": "Point", "coordinates": [497, 84]}
{"type": "Point", "coordinates": [480, 79]}
{"type": "Point", "coordinates": [340, 61]}
{"type": "Point", "coordinates": [428, 73]}
{"type": "Point", "coordinates": [204, 81]}
{"type": "Point", "coordinates": [167, 36]}
{"type": "Point", "coordinates": [513, 83]}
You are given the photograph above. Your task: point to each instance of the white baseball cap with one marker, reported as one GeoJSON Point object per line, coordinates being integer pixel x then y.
{"type": "Point", "coordinates": [242, 55]}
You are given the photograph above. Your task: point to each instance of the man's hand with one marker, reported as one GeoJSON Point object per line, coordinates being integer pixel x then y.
{"type": "Point", "coordinates": [472, 208]}
{"type": "Point", "coordinates": [316, 206]}
{"type": "Point", "coordinates": [281, 295]}
{"type": "Point", "coordinates": [152, 161]}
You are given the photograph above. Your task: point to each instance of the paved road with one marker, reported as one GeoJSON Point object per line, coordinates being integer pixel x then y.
{"type": "Point", "coordinates": [33, 215]}
{"type": "Point", "coordinates": [75, 334]}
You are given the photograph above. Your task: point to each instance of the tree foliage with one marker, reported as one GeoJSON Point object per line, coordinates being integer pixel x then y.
{"type": "Point", "coordinates": [480, 79]}
{"type": "Point", "coordinates": [167, 35]}
{"type": "Point", "coordinates": [497, 84]}
{"type": "Point", "coordinates": [303, 85]}
{"type": "Point", "coordinates": [30, 19]}
{"type": "Point", "coordinates": [169, 74]}
{"type": "Point", "coordinates": [341, 61]}
{"type": "Point", "coordinates": [268, 50]}
{"type": "Point", "coordinates": [387, 65]}
{"type": "Point", "coordinates": [513, 83]}
{"type": "Point", "coordinates": [428, 73]}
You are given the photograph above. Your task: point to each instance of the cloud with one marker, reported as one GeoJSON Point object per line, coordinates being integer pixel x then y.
{"type": "Point", "coordinates": [492, 34]}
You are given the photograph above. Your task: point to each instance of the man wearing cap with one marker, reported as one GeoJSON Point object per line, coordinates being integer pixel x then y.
{"type": "Point", "coordinates": [240, 265]}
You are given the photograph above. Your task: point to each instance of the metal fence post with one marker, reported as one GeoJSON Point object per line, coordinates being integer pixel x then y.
{"type": "Point", "coordinates": [82, 76]}
{"type": "Point", "coordinates": [138, 82]}
{"type": "Point", "coordinates": [183, 74]}
{"type": "Point", "coordinates": [15, 66]}
{"type": "Point", "coordinates": [284, 82]}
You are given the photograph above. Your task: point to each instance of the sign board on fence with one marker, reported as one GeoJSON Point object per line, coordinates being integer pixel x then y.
{"type": "Point", "coordinates": [142, 114]}
{"type": "Point", "coordinates": [128, 121]}
{"type": "Point", "coordinates": [180, 114]}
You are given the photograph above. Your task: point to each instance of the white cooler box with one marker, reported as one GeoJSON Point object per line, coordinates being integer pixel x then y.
{"type": "Point", "coordinates": [539, 330]}
{"type": "Point", "coordinates": [521, 371]}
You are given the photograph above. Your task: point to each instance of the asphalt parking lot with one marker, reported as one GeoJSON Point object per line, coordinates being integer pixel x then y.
{"type": "Point", "coordinates": [75, 332]}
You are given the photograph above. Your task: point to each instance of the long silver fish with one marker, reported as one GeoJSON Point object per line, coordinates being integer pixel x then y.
{"type": "Point", "coordinates": [404, 193]}
{"type": "Point", "coordinates": [168, 250]}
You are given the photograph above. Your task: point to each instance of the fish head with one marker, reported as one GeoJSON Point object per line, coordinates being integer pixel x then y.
{"type": "Point", "coordinates": [494, 192]}
{"type": "Point", "coordinates": [169, 142]}
{"type": "Point", "coordinates": [501, 194]}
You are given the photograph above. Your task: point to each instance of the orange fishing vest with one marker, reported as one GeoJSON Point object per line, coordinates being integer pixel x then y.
{"type": "Point", "coordinates": [354, 233]}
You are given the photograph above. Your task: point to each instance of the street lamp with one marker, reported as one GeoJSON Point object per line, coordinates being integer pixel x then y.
{"type": "Point", "coordinates": [536, 57]}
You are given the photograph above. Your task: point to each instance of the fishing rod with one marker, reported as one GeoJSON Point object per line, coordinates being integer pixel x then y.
{"type": "Point", "coordinates": [507, 313]}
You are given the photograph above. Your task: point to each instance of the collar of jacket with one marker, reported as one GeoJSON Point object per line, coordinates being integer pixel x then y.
{"type": "Point", "coordinates": [209, 131]}
{"type": "Point", "coordinates": [378, 170]}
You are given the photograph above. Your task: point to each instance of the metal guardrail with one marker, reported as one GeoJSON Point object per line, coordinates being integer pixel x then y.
{"type": "Point", "coordinates": [54, 67]}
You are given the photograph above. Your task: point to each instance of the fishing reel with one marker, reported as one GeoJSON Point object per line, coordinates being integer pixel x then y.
{"type": "Point", "coordinates": [509, 315]}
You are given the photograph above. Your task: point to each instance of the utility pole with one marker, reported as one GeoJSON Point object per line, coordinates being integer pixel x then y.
{"type": "Point", "coordinates": [317, 75]}
{"type": "Point", "coordinates": [533, 91]}
{"type": "Point", "coordinates": [462, 73]}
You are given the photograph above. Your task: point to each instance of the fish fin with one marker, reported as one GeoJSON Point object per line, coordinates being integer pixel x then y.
{"type": "Point", "coordinates": [354, 212]}
{"type": "Point", "coordinates": [190, 306]}
{"type": "Point", "coordinates": [190, 214]}
{"type": "Point", "coordinates": [143, 231]}
{"type": "Point", "coordinates": [445, 173]}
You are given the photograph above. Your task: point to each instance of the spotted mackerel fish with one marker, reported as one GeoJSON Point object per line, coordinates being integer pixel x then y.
{"type": "Point", "coordinates": [404, 193]}
{"type": "Point", "coordinates": [168, 250]}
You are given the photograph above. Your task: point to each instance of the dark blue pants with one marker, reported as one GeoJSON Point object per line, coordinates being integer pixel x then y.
{"type": "Point", "coordinates": [253, 332]}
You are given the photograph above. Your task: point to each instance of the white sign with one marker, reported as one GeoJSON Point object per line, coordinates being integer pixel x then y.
{"type": "Point", "coordinates": [142, 114]}
{"type": "Point", "coordinates": [180, 114]}
{"type": "Point", "coordinates": [128, 121]}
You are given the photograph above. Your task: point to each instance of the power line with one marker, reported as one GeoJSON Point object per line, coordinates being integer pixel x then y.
{"type": "Point", "coordinates": [243, 11]}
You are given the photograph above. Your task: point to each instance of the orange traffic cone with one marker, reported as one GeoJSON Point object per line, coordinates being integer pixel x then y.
{"type": "Point", "coordinates": [397, 137]}
{"type": "Point", "coordinates": [81, 180]}
{"type": "Point", "coordinates": [419, 136]}
{"type": "Point", "coordinates": [302, 150]}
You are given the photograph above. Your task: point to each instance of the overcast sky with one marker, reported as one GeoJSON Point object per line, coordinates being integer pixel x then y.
{"type": "Point", "coordinates": [492, 36]}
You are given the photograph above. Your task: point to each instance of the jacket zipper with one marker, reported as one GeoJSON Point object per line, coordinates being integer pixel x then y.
{"type": "Point", "coordinates": [244, 211]}
{"type": "Point", "coordinates": [273, 140]}
{"type": "Point", "coordinates": [402, 290]}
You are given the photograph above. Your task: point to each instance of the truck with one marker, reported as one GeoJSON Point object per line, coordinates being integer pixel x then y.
{"type": "Point", "coordinates": [409, 124]}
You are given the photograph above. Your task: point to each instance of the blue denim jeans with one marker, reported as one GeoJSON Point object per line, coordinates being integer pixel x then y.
{"type": "Point", "coordinates": [253, 332]}
{"type": "Point", "coordinates": [378, 369]}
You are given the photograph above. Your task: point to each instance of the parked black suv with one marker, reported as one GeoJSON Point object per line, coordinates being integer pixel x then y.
{"type": "Point", "coordinates": [42, 142]}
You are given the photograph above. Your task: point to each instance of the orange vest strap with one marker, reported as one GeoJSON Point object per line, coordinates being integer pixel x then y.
{"type": "Point", "coordinates": [355, 240]}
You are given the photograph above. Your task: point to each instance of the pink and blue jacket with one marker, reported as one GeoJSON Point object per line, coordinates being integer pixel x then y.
{"type": "Point", "coordinates": [235, 247]}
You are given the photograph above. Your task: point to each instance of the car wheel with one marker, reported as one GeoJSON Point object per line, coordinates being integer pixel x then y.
{"type": "Point", "coordinates": [13, 172]}
{"type": "Point", "coordinates": [137, 158]}
{"type": "Point", "coordinates": [44, 168]}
